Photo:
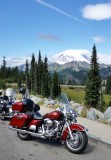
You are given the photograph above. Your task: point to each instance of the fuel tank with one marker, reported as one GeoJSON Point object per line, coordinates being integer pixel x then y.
{"type": "Point", "coordinates": [54, 115]}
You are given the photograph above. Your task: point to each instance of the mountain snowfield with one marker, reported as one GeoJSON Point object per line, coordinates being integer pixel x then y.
{"type": "Point", "coordinates": [71, 55]}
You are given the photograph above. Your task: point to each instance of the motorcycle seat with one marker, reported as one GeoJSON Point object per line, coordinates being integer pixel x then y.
{"type": "Point", "coordinates": [37, 115]}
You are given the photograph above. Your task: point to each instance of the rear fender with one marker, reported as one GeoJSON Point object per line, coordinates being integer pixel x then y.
{"type": "Point", "coordinates": [76, 127]}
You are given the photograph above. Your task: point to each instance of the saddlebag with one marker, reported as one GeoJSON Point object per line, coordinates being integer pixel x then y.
{"type": "Point", "coordinates": [17, 106]}
{"type": "Point", "coordinates": [23, 106]}
{"type": "Point", "coordinates": [20, 120]}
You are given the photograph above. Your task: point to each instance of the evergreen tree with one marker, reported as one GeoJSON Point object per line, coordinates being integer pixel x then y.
{"type": "Point", "coordinates": [59, 89]}
{"type": "Point", "coordinates": [3, 69]}
{"type": "Point", "coordinates": [45, 89]}
{"type": "Point", "coordinates": [15, 73]}
{"type": "Point", "coordinates": [110, 101]}
{"type": "Point", "coordinates": [40, 73]}
{"type": "Point", "coordinates": [28, 83]}
{"type": "Point", "coordinates": [44, 85]}
{"type": "Point", "coordinates": [32, 74]}
{"type": "Point", "coordinates": [55, 87]}
{"type": "Point", "coordinates": [108, 85]}
{"type": "Point", "coordinates": [101, 105]}
{"type": "Point", "coordinates": [36, 77]}
{"type": "Point", "coordinates": [49, 83]}
{"type": "Point", "coordinates": [19, 81]}
{"type": "Point", "coordinates": [8, 74]}
{"type": "Point", "coordinates": [93, 85]}
{"type": "Point", "coordinates": [22, 75]}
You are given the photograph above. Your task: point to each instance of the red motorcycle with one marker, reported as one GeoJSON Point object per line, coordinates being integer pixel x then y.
{"type": "Point", "coordinates": [59, 124]}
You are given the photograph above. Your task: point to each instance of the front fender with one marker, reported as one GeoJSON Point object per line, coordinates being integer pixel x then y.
{"type": "Point", "coordinates": [76, 127]}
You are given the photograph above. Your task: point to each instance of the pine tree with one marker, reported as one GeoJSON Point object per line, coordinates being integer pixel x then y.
{"type": "Point", "coordinates": [28, 83]}
{"type": "Point", "coordinates": [8, 73]}
{"type": "Point", "coordinates": [3, 69]}
{"type": "Point", "coordinates": [36, 77]}
{"type": "Point", "coordinates": [15, 73]}
{"type": "Point", "coordinates": [32, 74]}
{"type": "Point", "coordinates": [108, 85]}
{"type": "Point", "coordinates": [45, 88]}
{"type": "Point", "coordinates": [22, 75]}
{"type": "Point", "coordinates": [59, 89]}
{"type": "Point", "coordinates": [101, 104]}
{"type": "Point", "coordinates": [55, 87]}
{"type": "Point", "coordinates": [44, 85]}
{"type": "Point", "coordinates": [19, 81]}
{"type": "Point", "coordinates": [40, 72]}
{"type": "Point", "coordinates": [93, 85]}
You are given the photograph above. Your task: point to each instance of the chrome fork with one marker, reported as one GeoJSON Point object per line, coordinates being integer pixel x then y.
{"type": "Point", "coordinates": [68, 126]}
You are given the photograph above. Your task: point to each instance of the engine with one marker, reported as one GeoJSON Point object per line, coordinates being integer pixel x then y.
{"type": "Point", "coordinates": [48, 122]}
{"type": "Point", "coordinates": [51, 127]}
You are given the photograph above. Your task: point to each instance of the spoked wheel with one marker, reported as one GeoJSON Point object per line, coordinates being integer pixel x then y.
{"type": "Point", "coordinates": [23, 136]}
{"type": "Point", "coordinates": [79, 143]}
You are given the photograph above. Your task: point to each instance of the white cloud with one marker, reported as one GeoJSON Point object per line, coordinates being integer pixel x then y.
{"type": "Point", "coordinates": [99, 39]}
{"type": "Point", "coordinates": [57, 10]}
{"type": "Point", "coordinates": [104, 58]}
{"type": "Point", "coordinates": [14, 61]}
{"type": "Point", "coordinates": [97, 12]}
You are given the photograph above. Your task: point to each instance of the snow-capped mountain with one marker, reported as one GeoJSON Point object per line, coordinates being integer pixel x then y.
{"type": "Point", "coordinates": [71, 55]}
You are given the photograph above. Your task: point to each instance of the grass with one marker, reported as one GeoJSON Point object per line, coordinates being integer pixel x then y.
{"type": "Point", "coordinates": [77, 95]}
{"type": "Point", "coordinates": [107, 99]}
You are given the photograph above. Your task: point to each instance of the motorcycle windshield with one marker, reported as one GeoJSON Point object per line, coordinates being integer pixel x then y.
{"type": "Point", "coordinates": [65, 105]}
{"type": "Point", "coordinates": [63, 98]}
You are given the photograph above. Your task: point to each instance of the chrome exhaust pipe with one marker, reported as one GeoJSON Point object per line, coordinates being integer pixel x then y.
{"type": "Point", "coordinates": [8, 116]}
{"type": "Point", "coordinates": [28, 132]}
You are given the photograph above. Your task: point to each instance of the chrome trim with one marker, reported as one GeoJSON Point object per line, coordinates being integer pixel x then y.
{"type": "Point", "coordinates": [28, 132]}
{"type": "Point", "coordinates": [69, 130]}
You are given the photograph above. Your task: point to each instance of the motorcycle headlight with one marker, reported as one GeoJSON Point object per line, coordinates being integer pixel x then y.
{"type": "Point", "coordinates": [70, 116]}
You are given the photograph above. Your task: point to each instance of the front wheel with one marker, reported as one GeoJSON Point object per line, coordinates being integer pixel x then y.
{"type": "Point", "coordinates": [79, 143]}
{"type": "Point", "coordinates": [23, 136]}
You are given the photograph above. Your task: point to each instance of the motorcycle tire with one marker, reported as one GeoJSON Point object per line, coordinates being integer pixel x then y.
{"type": "Point", "coordinates": [79, 144]}
{"type": "Point", "coordinates": [23, 136]}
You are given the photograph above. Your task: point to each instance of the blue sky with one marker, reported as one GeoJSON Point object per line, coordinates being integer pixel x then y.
{"type": "Point", "coordinates": [52, 26]}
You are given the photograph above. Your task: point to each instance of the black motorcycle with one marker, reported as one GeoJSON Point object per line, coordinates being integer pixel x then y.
{"type": "Point", "coordinates": [5, 108]}
{"type": "Point", "coordinates": [1, 102]}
